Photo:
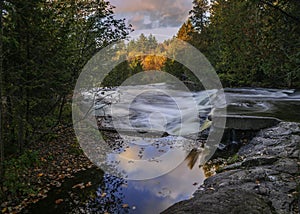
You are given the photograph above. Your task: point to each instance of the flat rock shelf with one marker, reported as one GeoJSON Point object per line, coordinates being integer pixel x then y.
{"type": "Point", "coordinates": [264, 179]}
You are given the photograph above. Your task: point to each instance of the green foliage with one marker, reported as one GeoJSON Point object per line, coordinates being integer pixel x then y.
{"type": "Point", "coordinates": [235, 158]}
{"type": "Point", "coordinates": [142, 45]}
{"type": "Point", "coordinates": [199, 14]}
{"type": "Point", "coordinates": [146, 54]}
{"type": "Point", "coordinates": [75, 149]}
{"type": "Point", "coordinates": [16, 171]}
{"type": "Point", "coordinates": [250, 43]}
{"type": "Point", "coordinates": [118, 75]}
{"type": "Point", "coordinates": [46, 44]}
{"type": "Point", "coordinates": [183, 74]}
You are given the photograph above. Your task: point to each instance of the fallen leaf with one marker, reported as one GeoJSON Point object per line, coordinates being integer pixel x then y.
{"type": "Point", "coordinates": [43, 159]}
{"type": "Point", "coordinates": [58, 201]}
{"type": "Point", "coordinates": [40, 174]}
{"type": "Point", "coordinates": [125, 205]}
{"type": "Point", "coordinates": [88, 184]}
{"type": "Point", "coordinates": [58, 184]}
{"type": "Point", "coordinates": [35, 200]}
{"type": "Point", "coordinates": [61, 176]}
{"type": "Point", "coordinates": [81, 186]}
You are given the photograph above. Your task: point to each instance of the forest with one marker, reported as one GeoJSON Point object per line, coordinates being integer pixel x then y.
{"type": "Point", "coordinates": [249, 43]}
{"type": "Point", "coordinates": [44, 44]}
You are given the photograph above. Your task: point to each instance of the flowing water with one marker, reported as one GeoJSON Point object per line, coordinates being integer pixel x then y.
{"type": "Point", "coordinates": [282, 104]}
{"type": "Point", "coordinates": [179, 114]}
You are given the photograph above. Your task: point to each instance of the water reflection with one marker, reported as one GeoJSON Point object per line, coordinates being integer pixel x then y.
{"type": "Point", "coordinates": [109, 197]}
{"type": "Point", "coordinates": [118, 195]}
{"type": "Point", "coordinates": [192, 158]}
{"type": "Point", "coordinates": [156, 171]}
{"type": "Point", "coordinates": [148, 158]}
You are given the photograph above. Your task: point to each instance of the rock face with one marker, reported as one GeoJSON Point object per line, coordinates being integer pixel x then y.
{"type": "Point", "coordinates": [265, 179]}
{"type": "Point", "coordinates": [241, 122]}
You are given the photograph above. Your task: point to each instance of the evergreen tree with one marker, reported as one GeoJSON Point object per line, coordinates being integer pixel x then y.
{"type": "Point", "coordinates": [199, 14]}
{"type": "Point", "coordinates": [186, 31]}
{"type": "Point", "coordinates": [250, 43]}
{"type": "Point", "coordinates": [46, 44]}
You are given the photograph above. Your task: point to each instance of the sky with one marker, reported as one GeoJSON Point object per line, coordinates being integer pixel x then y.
{"type": "Point", "coordinates": [162, 18]}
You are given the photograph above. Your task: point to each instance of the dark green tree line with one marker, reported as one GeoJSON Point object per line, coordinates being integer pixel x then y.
{"type": "Point", "coordinates": [250, 43]}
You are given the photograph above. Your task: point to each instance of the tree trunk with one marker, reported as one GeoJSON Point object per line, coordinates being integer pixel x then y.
{"type": "Point", "coordinates": [21, 123]}
{"type": "Point", "coordinates": [63, 101]}
{"type": "Point", "coordinates": [1, 101]}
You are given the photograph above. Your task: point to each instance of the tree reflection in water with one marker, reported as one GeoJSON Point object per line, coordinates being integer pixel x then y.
{"type": "Point", "coordinates": [192, 158]}
{"type": "Point", "coordinates": [109, 197]}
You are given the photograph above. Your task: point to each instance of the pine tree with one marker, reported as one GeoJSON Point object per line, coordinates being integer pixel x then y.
{"type": "Point", "coordinates": [186, 31]}
{"type": "Point", "coordinates": [199, 14]}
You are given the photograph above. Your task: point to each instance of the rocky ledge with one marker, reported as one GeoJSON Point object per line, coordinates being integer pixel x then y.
{"type": "Point", "coordinates": [265, 178]}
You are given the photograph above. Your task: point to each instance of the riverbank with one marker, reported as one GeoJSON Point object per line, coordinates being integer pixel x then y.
{"type": "Point", "coordinates": [263, 177]}
{"type": "Point", "coordinates": [54, 162]}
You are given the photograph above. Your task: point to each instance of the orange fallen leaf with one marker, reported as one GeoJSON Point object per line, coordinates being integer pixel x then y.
{"type": "Point", "coordinates": [125, 205]}
{"type": "Point", "coordinates": [43, 159]}
{"type": "Point", "coordinates": [58, 201]}
{"type": "Point", "coordinates": [40, 174]}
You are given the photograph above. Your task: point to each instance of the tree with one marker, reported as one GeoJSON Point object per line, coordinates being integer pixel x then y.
{"type": "Point", "coordinates": [46, 44]}
{"type": "Point", "coordinates": [199, 14]}
{"type": "Point", "coordinates": [153, 62]}
{"type": "Point", "coordinates": [142, 53]}
{"type": "Point", "coordinates": [118, 75]}
{"type": "Point", "coordinates": [186, 31]}
{"type": "Point", "coordinates": [1, 101]}
{"type": "Point", "coordinates": [250, 43]}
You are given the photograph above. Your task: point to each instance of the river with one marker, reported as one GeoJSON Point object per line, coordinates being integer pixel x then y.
{"type": "Point", "coordinates": [153, 188]}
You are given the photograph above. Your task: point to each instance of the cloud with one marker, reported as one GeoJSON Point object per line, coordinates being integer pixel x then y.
{"type": "Point", "coordinates": [149, 14]}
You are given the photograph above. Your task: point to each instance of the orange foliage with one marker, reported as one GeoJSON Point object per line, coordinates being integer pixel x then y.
{"type": "Point", "coordinates": [153, 62]}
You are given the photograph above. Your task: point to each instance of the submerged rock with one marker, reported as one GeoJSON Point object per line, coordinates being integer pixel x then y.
{"type": "Point", "coordinates": [265, 179]}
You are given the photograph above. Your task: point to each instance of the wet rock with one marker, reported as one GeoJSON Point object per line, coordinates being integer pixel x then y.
{"type": "Point", "coordinates": [241, 122]}
{"type": "Point", "coordinates": [260, 160]}
{"type": "Point", "coordinates": [224, 201]}
{"type": "Point", "coordinates": [265, 179]}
